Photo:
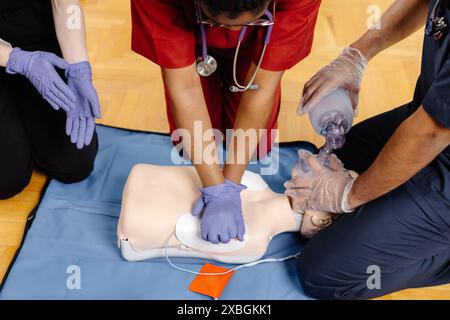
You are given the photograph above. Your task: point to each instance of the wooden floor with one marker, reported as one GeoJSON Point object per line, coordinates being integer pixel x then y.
{"type": "Point", "coordinates": [131, 93]}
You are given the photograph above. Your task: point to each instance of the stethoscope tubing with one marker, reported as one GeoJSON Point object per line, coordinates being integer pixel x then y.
{"type": "Point", "coordinates": [237, 87]}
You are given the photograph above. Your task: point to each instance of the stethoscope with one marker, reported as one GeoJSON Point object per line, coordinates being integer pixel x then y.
{"type": "Point", "coordinates": [437, 26]}
{"type": "Point", "coordinates": [207, 65]}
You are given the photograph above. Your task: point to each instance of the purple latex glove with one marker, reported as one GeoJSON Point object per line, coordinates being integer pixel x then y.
{"type": "Point", "coordinates": [80, 124]}
{"type": "Point", "coordinates": [222, 212]}
{"type": "Point", "coordinates": [39, 68]}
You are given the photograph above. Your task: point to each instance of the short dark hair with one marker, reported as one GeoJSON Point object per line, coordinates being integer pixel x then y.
{"type": "Point", "coordinates": [234, 8]}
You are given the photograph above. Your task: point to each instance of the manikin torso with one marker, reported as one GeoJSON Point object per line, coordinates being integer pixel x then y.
{"type": "Point", "coordinates": [155, 197]}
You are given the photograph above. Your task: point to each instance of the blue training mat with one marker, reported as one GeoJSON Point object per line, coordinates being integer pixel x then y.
{"type": "Point", "coordinates": [75, 225]}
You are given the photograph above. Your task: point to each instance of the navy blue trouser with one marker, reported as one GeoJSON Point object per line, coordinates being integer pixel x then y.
{"type": "Point", "coordinates": [399, 233]}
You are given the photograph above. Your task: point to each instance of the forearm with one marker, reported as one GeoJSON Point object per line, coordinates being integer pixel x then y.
{"type": "Point", "coordinates": [5, 50]}
{"type": "Point", "coordinates": [403, 18]}
{"type": "Point", "coordinates": [70, 29]}
{"type": "Point", "coordinates": [253, 115]}
{"type": "Point", "coordinates": [251, 123]}
{"type": "Point", "coordinates": [416, 142]}
{"type": "Point", "coordinates": [189, 108]}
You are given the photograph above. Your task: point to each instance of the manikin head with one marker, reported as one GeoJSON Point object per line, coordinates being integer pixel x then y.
{"type": "Point", "coordinates": [313, 221]}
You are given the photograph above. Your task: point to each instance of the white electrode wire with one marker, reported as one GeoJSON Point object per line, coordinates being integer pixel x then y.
{"type": "Point", "coordinates": [251, 264]}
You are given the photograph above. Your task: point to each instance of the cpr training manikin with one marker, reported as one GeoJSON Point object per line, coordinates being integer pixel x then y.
{"type": "Point", "coordinates": [155, 219]}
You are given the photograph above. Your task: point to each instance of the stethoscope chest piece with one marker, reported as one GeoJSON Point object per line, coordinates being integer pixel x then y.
{"type": "Point", "coordinates": [206, 67]}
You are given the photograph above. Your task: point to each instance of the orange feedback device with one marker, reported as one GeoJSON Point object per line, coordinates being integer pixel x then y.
{"type": "Point", "coordinates": [211, 285]}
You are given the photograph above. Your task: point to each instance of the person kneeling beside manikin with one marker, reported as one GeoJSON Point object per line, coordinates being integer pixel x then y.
{"type": "Point", "coordinates": [156, 218]}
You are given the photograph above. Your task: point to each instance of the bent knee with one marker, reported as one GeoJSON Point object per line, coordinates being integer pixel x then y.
{"type": "Point", "coordinates": [73, 166]}
{"type": "Point", "coordinates": [9, 187]}
{"type": "Point", "coordinates": [75, 171]}
{"type": "Point", "coordinates": [324, 280]}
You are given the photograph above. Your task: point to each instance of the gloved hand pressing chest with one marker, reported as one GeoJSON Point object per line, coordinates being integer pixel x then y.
{"type": "Point", "coordinates": [222, 218]}
{"type": "Point", "coordinates": [39, 68]}
{"type": "Point", "coordinates": [80, 123]}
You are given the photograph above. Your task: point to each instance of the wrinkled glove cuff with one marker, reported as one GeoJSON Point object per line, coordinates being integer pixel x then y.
{"type": "Point", "coordinates": [344, 202]}
{"type": "Point", "coordinates": [13, 66]}
{"type": "Point", "coordinates": [363, 63]}
{"type": "Point", "coordinates": [238, 187]}
{"type": "Point", "coordinates": [220, 191]}
{"type": "Point", "coordinates": [81, 69]}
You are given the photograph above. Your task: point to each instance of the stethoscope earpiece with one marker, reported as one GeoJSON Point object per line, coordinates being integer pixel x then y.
{"type": "Point", "coordinates": [235, 89]}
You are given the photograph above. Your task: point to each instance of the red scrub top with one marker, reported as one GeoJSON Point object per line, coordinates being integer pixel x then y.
{"type": "Point", "coordinates": [167, 33]}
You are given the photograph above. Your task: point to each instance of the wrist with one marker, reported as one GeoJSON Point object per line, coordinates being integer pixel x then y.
{"type": "Point", "coordinates": [368, 45]}
{"type": "Point", "coordinates": [5, 52]}
{"type": "Point", "coordinates": [353, 200]}
{"type": "Point", "coordinates": [75, 57]}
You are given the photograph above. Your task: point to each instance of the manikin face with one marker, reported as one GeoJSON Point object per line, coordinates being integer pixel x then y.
{"type": "Point", "coordinates": [232, 24]}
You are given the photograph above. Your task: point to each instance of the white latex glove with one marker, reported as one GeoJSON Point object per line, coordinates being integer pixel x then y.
{"type": "Point", "coordinates": [326, 189]}
{"type": "Point", "coordinates": [313, 221]}
{"type": "Point", "coordinates": [346, 72]}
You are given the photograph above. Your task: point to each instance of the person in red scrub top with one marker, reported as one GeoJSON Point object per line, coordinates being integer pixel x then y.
{"type": "Point", "coordinates": [222, 62]}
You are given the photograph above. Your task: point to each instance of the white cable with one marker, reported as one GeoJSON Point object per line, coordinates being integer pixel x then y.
{"type": "Point", "coordinates": [251, 264]}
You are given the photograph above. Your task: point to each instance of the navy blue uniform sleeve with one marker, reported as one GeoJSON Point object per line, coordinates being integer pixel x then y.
{"type": "Point", "coordinates": [437, 100]}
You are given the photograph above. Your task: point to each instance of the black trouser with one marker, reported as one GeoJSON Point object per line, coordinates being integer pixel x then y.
{"type": "Point", "coordinates": [399, 235]}
{"type": "Point", "coordinates": [32, 133]}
